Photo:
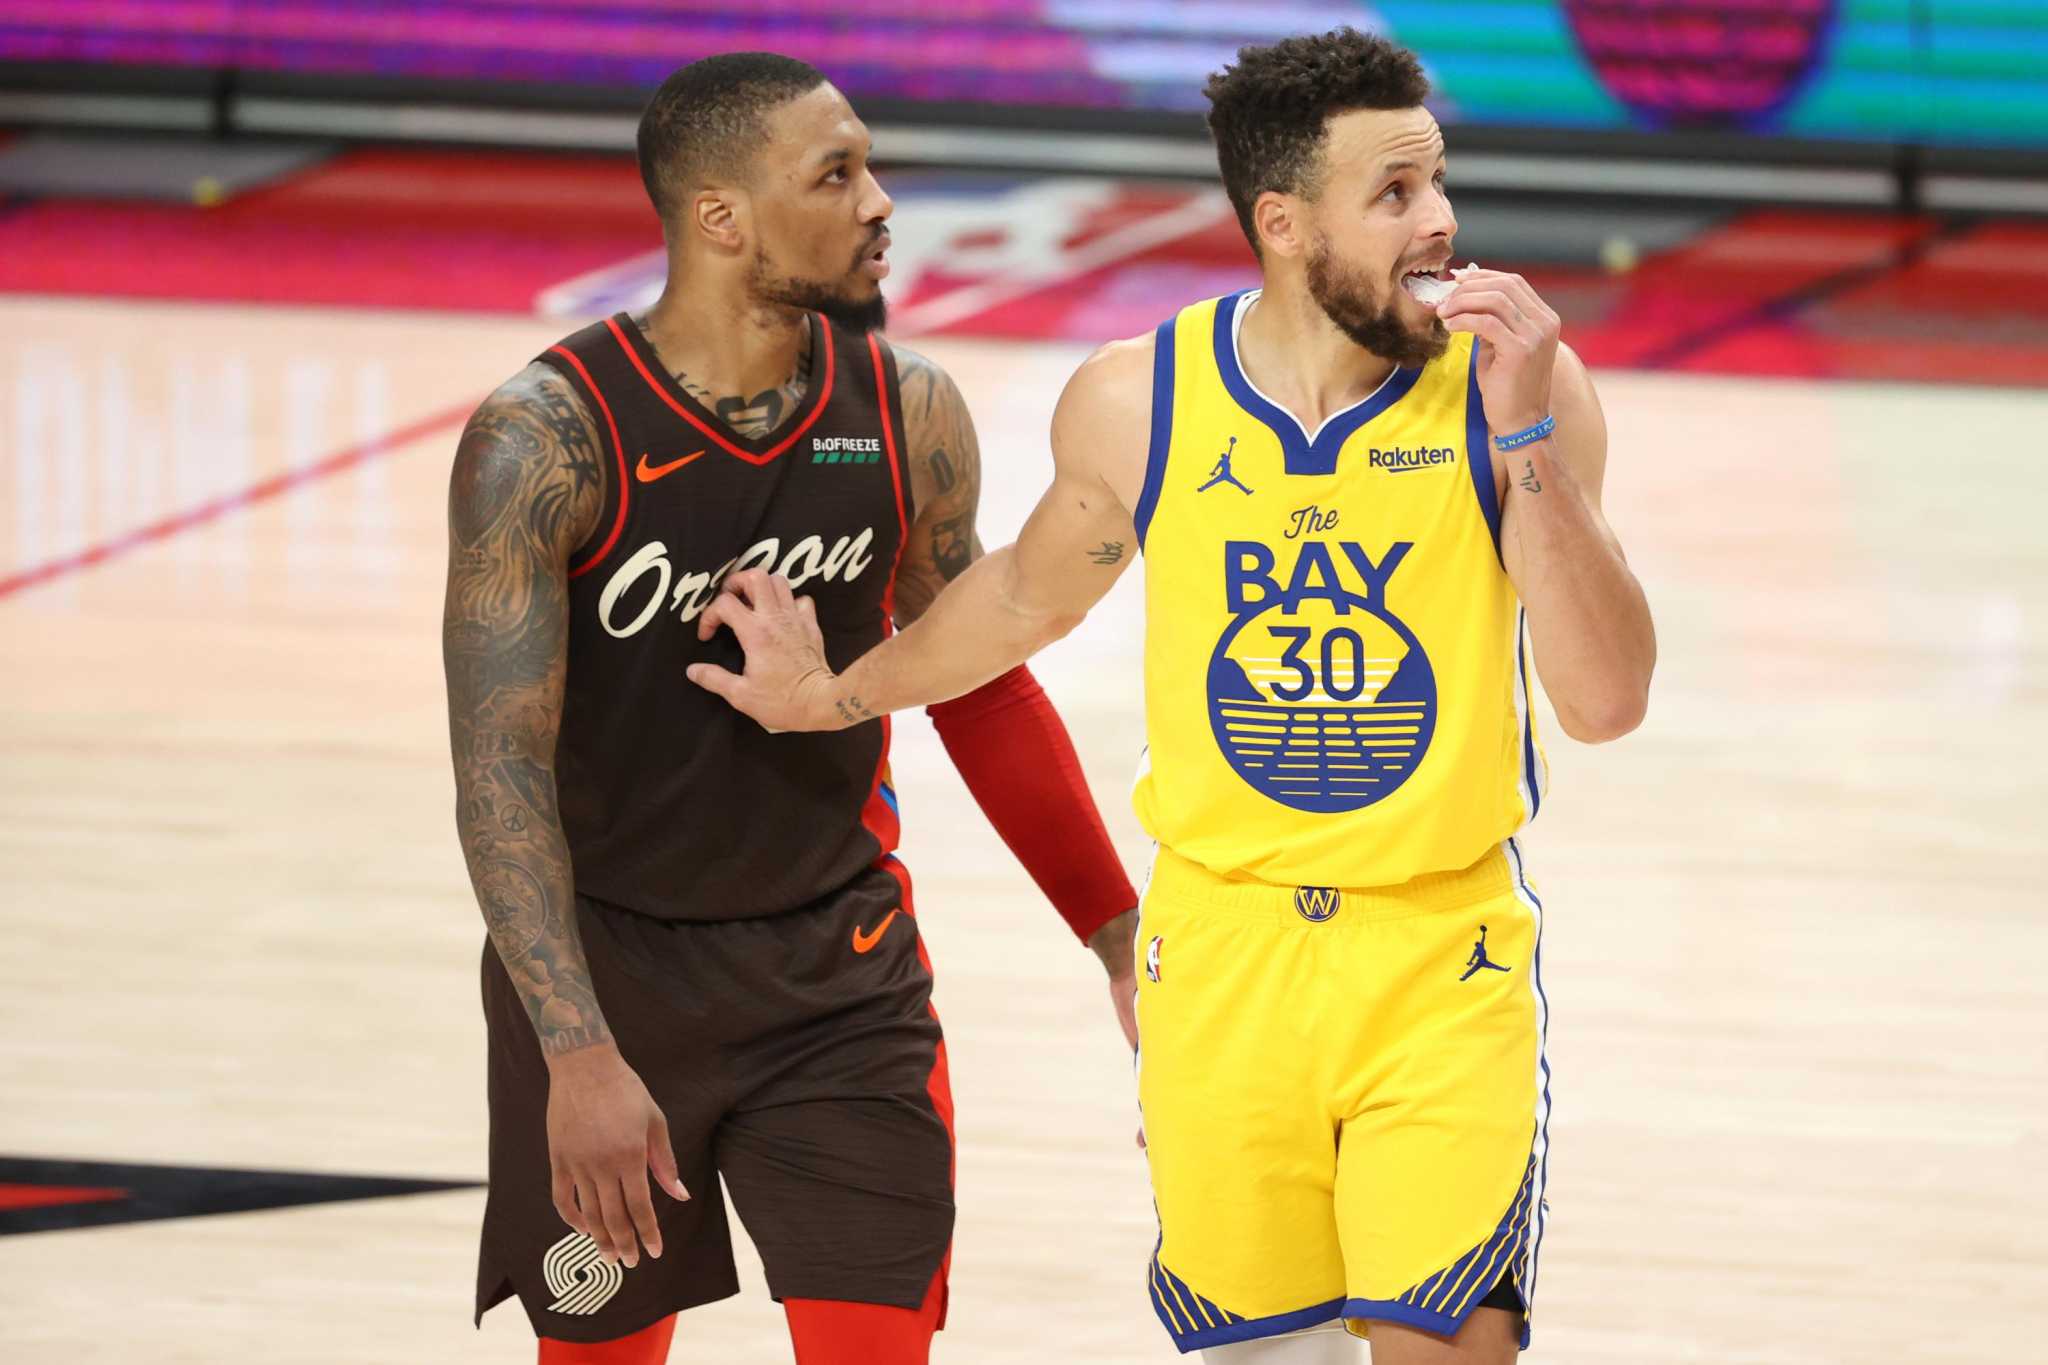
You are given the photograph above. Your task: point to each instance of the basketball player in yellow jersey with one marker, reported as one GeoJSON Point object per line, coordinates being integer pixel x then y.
{"type": "Point", "coordinates": [1363, 507]}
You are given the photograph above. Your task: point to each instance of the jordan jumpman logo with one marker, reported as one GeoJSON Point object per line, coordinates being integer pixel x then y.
{"type": "Point", "coordinates": [1221, 473]}
{"type": "Point", "coordinates": [1479, 959]}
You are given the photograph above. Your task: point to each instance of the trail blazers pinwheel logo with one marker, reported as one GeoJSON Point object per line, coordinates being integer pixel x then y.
{"type": "Point", "coordinates": [579, 1277]}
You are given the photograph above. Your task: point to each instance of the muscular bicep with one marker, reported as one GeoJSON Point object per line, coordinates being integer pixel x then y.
{"type": "Point", "coordinates": [523, 493]}
{"type": "Point", "coordinates": [1081, 535]}
{"type": "Point", "coordinates": [944, 456]}
{"type": "Point", "coordinates": [1073, 548]}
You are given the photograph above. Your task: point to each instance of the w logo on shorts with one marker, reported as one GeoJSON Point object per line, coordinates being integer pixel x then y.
{"type": "Point", "coordinates": [1317, 903]}
{"type": "Point", "coordinates": [578, 1276]}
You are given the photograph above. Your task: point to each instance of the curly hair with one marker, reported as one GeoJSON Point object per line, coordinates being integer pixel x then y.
{"type": "Point", "coordinates": [711, 113]}
{"type": "Point", "coordinates": [1268, 113]}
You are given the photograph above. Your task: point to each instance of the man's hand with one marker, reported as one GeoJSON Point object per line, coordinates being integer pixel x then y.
{"type": "Point", "coordinates": [1112, 943]}
{"type": "Point", "coordinates": [604, 1134]}
{"type": "Point", "coordinates": [787, 684]}
{"type": "Point", "coordinates": [1517, 334]}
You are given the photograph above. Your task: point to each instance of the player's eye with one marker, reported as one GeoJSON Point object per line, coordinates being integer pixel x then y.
{"type": "Point", "coordinates": [1394, 193]}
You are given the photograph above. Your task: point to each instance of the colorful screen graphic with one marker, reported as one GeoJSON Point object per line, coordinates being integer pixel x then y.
{"type": "Point", "coordinates": [1937, 71]}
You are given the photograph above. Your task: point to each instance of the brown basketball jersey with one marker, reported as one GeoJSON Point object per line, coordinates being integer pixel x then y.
{"type": "Point", "coordinates": [676, 805]}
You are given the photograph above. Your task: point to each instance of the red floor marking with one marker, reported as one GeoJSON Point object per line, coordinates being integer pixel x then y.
{"type": "Point", "coordinates": [404, 228]}
{"type": "Point", "coordinates": [234, 502]}
{"type": "Point", "coordinates": [42, 1196]}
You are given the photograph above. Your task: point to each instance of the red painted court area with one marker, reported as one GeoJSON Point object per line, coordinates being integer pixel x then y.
{"type": "Point", "coordinates": [49, 1196]}
{"type": "Point", "coordinates": [1817, 295]}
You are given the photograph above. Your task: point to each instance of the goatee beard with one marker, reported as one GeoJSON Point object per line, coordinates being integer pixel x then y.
{"type": "Point", "coordinates": [813, 296]}
{"type": "Point", "coordinates": [1347, 301]}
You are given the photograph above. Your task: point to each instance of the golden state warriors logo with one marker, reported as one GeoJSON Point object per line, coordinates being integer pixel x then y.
{"type": "Point", "coordinates": [1319, 696]}
{"type": "Point", "coordinates": [1317, 903]}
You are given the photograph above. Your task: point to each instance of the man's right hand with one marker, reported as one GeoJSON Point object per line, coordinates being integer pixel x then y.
{"type": "Point", "coordinates": [605, 1133]}
{"type": "Point", "coordinates": [785, 683]}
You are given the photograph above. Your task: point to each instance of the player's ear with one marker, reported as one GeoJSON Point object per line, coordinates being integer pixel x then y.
{"type": "Point", "coordinates": [1278, 220]}
{"type": "Point", "coordinates": [719, 216]}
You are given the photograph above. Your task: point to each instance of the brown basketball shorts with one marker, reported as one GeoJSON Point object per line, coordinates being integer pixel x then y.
{"type": "Point", "coordinates": [797, 1056]}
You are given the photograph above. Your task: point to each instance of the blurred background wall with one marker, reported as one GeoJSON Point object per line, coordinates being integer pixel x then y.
{"type": "Point", "coordinates": [1940, 94]}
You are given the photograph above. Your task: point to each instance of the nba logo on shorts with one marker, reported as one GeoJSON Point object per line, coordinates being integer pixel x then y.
{"type": "Point", "coordinates": [1317, 903]}
{"type": "Point", "coordinates": [1152, 958]}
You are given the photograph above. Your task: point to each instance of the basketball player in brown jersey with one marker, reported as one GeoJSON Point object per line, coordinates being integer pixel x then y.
{"type": "Point", "coordinates": [704, 959]}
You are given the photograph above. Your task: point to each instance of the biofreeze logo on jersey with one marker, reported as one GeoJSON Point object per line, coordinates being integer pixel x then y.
{"type": "Point", "coordinates": [649, 571]}
{"type": "Point", "coordinates": [846, 450]}
{"type": "Point", "coordinates": [1402, 460]}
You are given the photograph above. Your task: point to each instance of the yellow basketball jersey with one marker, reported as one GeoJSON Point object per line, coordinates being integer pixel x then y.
{"type": "Point", "coordinates": [1336, 675]}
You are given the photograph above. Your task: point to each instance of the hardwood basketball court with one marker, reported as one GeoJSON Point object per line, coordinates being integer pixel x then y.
{"type": "Point", "coordinates": [1796, 946]}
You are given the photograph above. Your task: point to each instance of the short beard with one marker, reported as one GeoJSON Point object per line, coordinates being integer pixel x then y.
{"type": "Point", "coordinates": [1347, 300]}
{"type": "Point", "coordinates": [815, 296]}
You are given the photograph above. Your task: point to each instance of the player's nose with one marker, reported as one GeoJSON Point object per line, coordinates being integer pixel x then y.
{"type": "Point", "coordinates": [1441, 221]}
{"type": "Point", "coordinates": [877, 205]}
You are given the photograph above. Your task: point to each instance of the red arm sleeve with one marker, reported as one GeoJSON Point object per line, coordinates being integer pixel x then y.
{"type": "Point", "coordinates": [1014, 754]}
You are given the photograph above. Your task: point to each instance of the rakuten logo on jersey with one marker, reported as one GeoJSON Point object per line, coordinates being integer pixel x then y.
{"type": "Point", "coordinates": [648, 571]}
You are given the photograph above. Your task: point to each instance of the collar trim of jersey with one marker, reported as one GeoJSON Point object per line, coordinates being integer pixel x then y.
{"type": "Point", "coordinates": [1303, 455]}
{"type": "Point", "coordinates": [754, 452]}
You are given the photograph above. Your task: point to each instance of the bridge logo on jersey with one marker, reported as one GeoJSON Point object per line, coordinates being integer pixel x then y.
{"type": "Point", "coordinates": [1319, 696]}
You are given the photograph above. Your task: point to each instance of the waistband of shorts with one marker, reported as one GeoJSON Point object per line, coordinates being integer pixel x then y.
{"type": "Point", "coordinates": [1190, 884]}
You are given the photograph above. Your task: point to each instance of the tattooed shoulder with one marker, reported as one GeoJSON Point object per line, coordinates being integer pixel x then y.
{"type": "Point", "coordinates": [530, 453]}
{"type": "Point", "coordinates": [938, 431]}
{"type": "Point", "coordinates": [945, 481]}
{"type": "Point", "coordinates": [526, 488]}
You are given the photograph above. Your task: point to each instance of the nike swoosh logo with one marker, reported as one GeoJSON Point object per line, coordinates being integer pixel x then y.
{"type": "Point", "coordinates": [862, 942]}
{"type": "Point", "coordinates": [648, 473]}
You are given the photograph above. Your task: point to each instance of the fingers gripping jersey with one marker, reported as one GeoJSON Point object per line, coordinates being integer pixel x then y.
{"type": "Point", "coordinates": [1336, 670]}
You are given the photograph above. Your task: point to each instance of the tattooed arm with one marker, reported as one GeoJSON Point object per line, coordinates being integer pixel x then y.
{"type": "Point", "coordinates": [525, 492]}
{"type": "Point", "coordinates": [945, 483]}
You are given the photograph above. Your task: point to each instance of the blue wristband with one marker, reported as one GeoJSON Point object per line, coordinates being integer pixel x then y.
{"type": "Point", "coordinates": [1522, 438]}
